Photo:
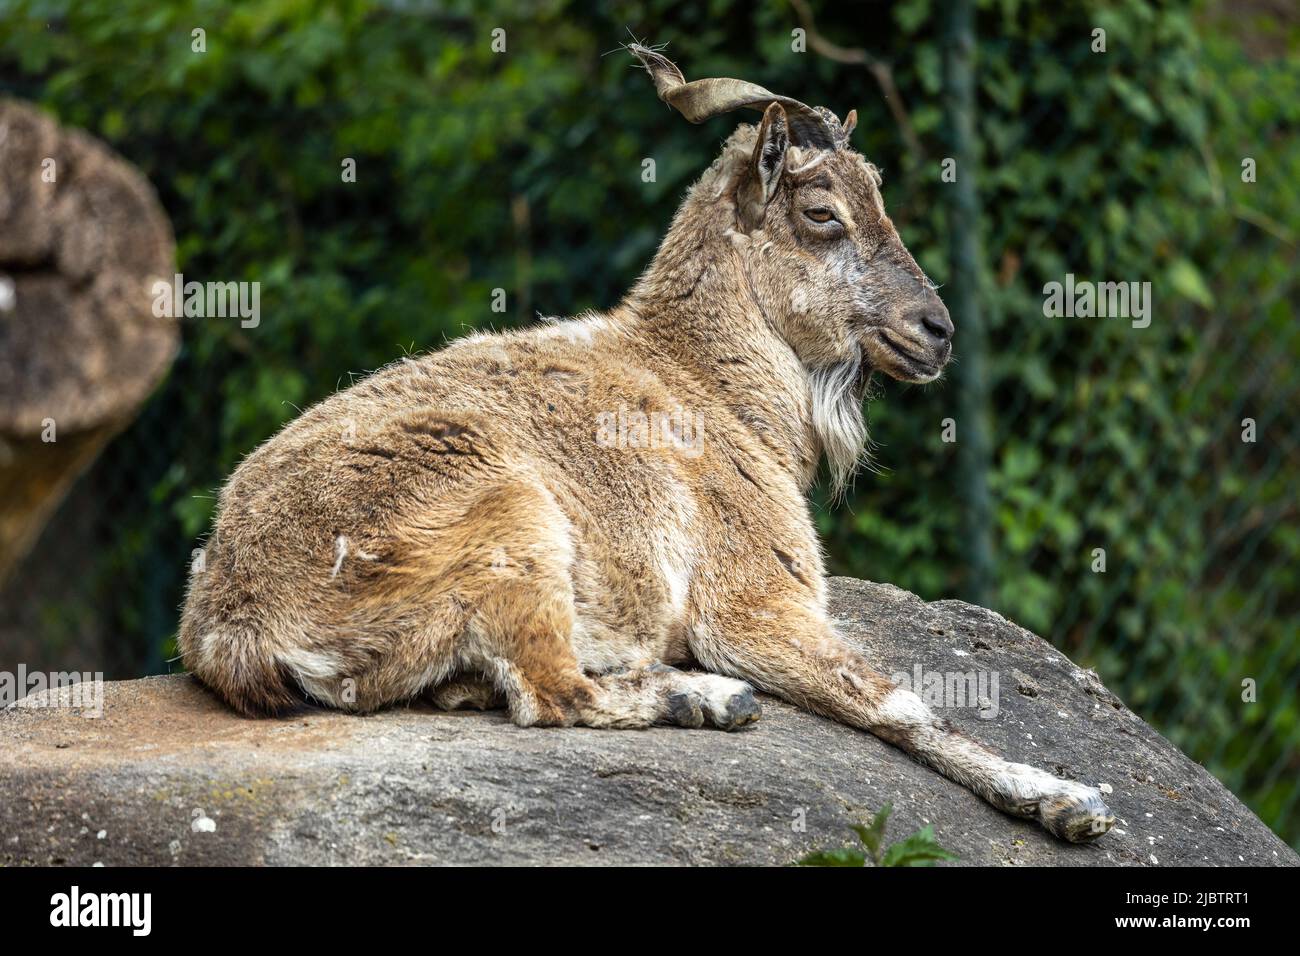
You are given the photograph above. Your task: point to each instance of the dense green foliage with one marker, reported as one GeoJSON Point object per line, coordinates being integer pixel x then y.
{"type": "Point", "coordinates": [523, 170]}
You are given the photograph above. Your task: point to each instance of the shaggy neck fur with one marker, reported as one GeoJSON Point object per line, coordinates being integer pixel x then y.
{"type": "Point", "coordinates": [697, 305]}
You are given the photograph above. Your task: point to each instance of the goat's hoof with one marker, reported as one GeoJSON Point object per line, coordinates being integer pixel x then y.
{"type": "Point", "coordinates": [719, 701]}
{"type": "Point", "coordinates": [1078, 814]}
{"type": "Point", "coordinates": [686, 709]}
{"type": "Point", "coordinates": [745, 709]}
{"type": "Point", "coordinates": [733, 706]}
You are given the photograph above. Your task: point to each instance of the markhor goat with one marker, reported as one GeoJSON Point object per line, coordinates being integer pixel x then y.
{"type": "Point", "coordinates": [469, 526]}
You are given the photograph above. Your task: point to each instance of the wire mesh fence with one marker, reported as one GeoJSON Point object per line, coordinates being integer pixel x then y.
{"type": "Point", "coordinates": [1166, 539]}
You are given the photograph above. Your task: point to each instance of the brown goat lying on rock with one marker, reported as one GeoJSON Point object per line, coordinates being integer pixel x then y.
{"type": "Point", "coordinates": [554, 518]}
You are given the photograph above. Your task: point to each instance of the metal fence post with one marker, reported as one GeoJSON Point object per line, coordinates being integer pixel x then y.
{"type": "Point", "coordinates": [961, 294]}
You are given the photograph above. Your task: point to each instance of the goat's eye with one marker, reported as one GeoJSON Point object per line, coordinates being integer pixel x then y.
{"type": "Point", "coordinates": [819, 214]}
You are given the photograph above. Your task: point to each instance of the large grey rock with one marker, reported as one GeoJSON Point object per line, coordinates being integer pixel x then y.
{"type": "Point", "coordinates": [168, 775]}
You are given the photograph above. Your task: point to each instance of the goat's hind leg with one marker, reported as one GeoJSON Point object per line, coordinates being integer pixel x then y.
{"type": "Point", "coordinates": [519, 633]}
{"type": "Point", "coordinates": [636, 698]}
{"type": "Point", "coordinates": [522, 646]}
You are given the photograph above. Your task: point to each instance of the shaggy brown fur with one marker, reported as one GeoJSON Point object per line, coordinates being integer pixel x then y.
{"type": "Point", "coordinates": [552, 518]}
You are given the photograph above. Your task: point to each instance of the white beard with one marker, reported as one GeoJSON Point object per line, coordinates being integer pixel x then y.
{"type": "Point", "coordinates": [837, 418]}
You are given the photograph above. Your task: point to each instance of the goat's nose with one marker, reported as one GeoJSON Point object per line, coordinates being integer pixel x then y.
{"type": "Point", "coordinates": [937, 323]}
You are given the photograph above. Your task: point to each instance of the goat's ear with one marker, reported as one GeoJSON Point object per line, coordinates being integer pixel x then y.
{"type": "Point", "coordinates": [850, 124]}
{"type": "Point", "coordinates": [764, 173]}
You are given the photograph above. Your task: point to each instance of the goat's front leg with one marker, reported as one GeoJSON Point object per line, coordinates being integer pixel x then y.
{"type": "Point", "coordinates": [791, 650]}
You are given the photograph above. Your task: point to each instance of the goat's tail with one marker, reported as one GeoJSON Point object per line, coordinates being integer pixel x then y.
{"type": "Point", "coordinates": [241, 665]}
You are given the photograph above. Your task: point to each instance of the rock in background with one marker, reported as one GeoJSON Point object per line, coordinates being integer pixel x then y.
{"type": "Point", "coordinates": [169, 775]}
{"type": "Point", "coordinates": [82, 240]}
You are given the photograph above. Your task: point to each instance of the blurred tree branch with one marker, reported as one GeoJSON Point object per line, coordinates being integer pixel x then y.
{"type": "Point", "coordinates": [879, 69]}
